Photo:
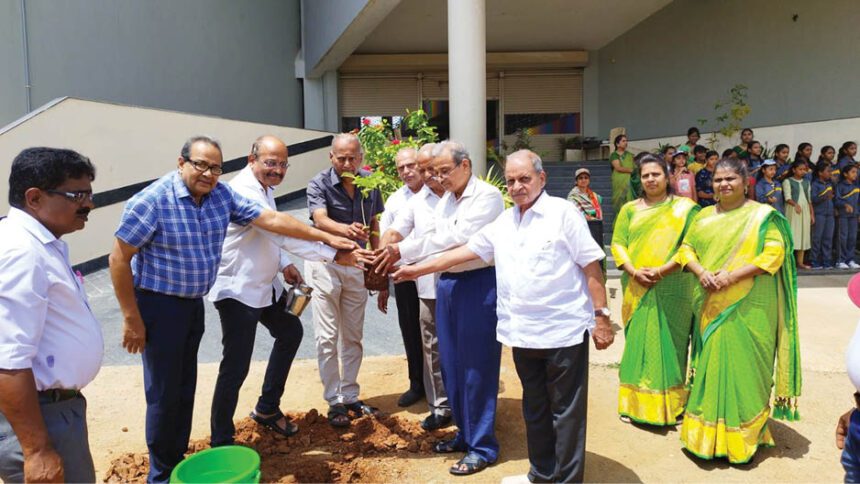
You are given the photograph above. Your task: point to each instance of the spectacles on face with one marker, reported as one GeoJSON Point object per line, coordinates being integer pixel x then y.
{"type": "Point", "coordinates": [270, 164]}
{"type": "Point", "coordinates": [203, 167]}
{"type": "Point", "coordinates": [445, 172]}
{"type": "Point", "coordinates": [78, 196]}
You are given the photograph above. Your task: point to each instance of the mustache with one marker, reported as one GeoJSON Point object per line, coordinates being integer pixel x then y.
{"type": "Point", "coordinates": [84, 211]}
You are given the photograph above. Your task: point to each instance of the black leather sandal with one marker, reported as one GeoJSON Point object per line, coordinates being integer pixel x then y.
{"type": "Point", "coordinates": [471, 464]}
{"type": "Point", "coordinates": [360, 408]}
{"type": "Point", "coordinates": [271, 423]}
{"type": "Point", "coordinates": [338, 415]}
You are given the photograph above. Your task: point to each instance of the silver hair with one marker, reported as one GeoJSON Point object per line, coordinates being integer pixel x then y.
{"type": "Point", "coordinates": [533, 157]}
{"type": "Point", "coordinates": [457, 151]}
{"type": "Point", "coordinates": [427, 148]}
{"type": "Point", "coordinates": [347, 137]}
{"type": "Point", "coordinates": [200, 138]}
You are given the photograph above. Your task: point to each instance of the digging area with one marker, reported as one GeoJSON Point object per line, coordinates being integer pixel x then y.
{"type": "Point", "coordinates": [366, 451]}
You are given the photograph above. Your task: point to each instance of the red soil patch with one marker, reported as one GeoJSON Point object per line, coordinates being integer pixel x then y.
{"type": "Point", "coordinates": [362, 452]}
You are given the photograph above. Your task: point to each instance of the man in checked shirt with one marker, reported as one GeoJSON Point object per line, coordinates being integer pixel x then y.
{"type": "Point", "coordinates": [165, 259]}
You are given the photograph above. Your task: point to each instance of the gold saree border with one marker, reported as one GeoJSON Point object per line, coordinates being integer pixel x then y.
{"type": "Point", "coordinates": [652, 407]}
{"type": "Point", "coordinates": [708, 440]}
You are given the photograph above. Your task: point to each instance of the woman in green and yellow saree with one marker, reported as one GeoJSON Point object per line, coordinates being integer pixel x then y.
{"type": "Point", "coordinates": [745, 330]}
{"type": "Point", "coordinates": [622, 167]}
{"type": "Point", "coordinates": [656, 311]}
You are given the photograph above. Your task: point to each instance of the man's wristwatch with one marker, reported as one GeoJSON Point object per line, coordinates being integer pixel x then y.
{"type": "Point", "coordinates": [602, 312]}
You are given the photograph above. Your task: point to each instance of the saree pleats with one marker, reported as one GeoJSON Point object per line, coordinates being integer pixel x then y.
{"type": "Point", "coordinates": [657, 321]}
{"type": "Point", "coordinates": [745, 334]}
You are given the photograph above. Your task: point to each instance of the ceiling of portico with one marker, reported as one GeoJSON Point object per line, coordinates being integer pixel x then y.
{"type": "Point", "coordinates": [419, 26]}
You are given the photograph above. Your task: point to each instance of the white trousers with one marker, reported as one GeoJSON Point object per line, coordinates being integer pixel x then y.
{"type": "Point", "coordinates": [338, 302]}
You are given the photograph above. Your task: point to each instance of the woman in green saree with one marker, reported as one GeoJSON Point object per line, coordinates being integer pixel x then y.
{"type": "Point", "coordinates": [657, 312]}
{"type": "Point", "coordinates": [746, 322]}
{"type": "Point", "coordinates": [622, 167]}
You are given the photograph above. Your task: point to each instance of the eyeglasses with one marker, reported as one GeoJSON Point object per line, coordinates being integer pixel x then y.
{"type": "Point", "coordinates": [276, 164]}
{"type": "Point", "coordinates": [445, 172]}
{"type": "Point", "coordinates": [77, 197]}
{"type": "Point", "coordinates": [203, 167]}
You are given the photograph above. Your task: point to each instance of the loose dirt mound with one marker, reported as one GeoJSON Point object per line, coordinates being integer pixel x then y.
{"type": "Point", "coordinates": [318, 453]}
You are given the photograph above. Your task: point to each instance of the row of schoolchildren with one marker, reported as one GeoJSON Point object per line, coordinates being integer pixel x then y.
{"type": "Point", "coordinates": [819, 199]}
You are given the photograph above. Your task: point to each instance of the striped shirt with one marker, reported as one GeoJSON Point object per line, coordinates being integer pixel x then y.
{"type": "Point", "coordinates": [179, 243]}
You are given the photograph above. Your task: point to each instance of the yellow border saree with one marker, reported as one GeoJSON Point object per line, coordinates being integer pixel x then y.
{"type": "Point", "coordinates": [740, 331]}
{"type": "Point", "coordinates": [657, 321]}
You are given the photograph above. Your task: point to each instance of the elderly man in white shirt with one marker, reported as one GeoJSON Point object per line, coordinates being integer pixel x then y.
{"type": "Point", "coordinates": [406, 292]}
{"type": "Point", "coordinates": [465, 307]}
{"type": "Point", "coordinates": [247, 290]}
{"type": "Point", "coordinates": [550, 293]}
{"type": "Point", "coordinates": [416, 219]}
{"type": "Point", "coordinates": [50, 343]}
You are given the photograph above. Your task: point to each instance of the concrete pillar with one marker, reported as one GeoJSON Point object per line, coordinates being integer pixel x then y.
{"type": "Point", "coordinates": [320, 102]}
{"type": "Point", "coordinates": [467, 73]}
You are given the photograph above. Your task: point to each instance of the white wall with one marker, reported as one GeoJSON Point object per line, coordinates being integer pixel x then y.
{"type": "Point", "coordinates": [130, 145]}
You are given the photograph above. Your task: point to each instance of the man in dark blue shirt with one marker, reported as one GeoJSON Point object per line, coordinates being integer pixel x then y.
{"type": "Point", "coordinates": [338, 207]}
{"type": "Point", "coordinates": [705, 180]}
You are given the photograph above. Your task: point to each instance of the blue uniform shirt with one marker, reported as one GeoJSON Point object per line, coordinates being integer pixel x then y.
{"type": "Point", "coordinates": [765, 189]}
{"type": "Point", "coordinates": [821, 204]}
{"type": "Point", "coordinates": [179, 242]}
{"type": "Point", "coordinates": [846, 194]}
{"type": "Point", "coordinates": [705, 183]}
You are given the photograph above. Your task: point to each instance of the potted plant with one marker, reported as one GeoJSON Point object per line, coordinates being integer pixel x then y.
{"type": "Point", "coordinates": [572, 148]}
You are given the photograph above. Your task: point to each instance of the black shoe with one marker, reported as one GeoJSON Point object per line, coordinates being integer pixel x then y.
{"type": "Point", "coordinates": [411, 397]}
{"type": "Point", "coordinates": [434, 422]}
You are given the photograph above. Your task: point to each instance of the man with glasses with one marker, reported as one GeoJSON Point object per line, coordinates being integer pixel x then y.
{"type": "Point", "coordinates": [247, 290]}
{"type": "Point", "coordinates": [465, 307]}
{"type": "Point", "coordinates": [338, 207]}
{"type": "Point", "coordinates": [406, 293]}
{"type": "Point", "coordinates": [165, 259]}
{"type": "Point", "coordinates": [416, 219]}
{"type": "Point", "coordinates": [50, 342]}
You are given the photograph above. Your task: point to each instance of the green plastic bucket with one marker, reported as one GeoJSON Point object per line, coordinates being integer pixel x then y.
{"type": "Point", "coordinates": [231, 463]}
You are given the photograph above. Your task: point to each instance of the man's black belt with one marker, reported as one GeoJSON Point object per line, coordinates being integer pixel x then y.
{"type": "Point", "coordinates": [55, 395]}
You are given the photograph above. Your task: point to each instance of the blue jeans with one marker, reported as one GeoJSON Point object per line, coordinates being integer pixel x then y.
{"type": "Point", "coordinates": [239, 329]}
{"type": "Point", "coordinates": [851, 451]}
{"type": "Point", "coordinates": [174, 328]}
{"type": "Point", "coordinates": [66, 422]}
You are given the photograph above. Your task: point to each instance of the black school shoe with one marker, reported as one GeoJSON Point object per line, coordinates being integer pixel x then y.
{"type": "Point", "coordinates": [434, 422]}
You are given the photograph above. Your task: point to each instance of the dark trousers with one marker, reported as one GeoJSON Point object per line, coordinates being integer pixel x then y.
{"type": "Point", "coordinates": [851, 451]}
{"type": "Point", "coordinates": [555, 400]}
{"type": "Point", "coordinates": [66, 423]}
{"type": "Point", "coordinates": [847, 238]}
{"type": "Point", "coordinates": [174, 327]}
{"type": "Point", "coordinates": [822, 241]}
{"type": "Point", "coordinates": [239, 329]}
{"type": "Point", "coordinates": [470, 356]}
{"type": "Point", "coordinates": [408, 310]}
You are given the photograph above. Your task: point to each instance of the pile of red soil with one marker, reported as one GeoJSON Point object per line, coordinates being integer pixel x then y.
{"type": "Point", "coordinates": [362, 452]}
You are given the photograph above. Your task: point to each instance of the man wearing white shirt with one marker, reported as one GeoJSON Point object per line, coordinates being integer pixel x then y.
{"type": "Point", "coordinates": [550, 293]}
{"type": "Point", "coordinates": [416, 220]}
{"type": "Point", "coordinates": [50, 343]}
{"type": "Point", "coordinates": [465, 307]}
{"type": "Point", "coordinates": [406, 293]}
{"type": "Point", "coordinates": [247, 290]}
